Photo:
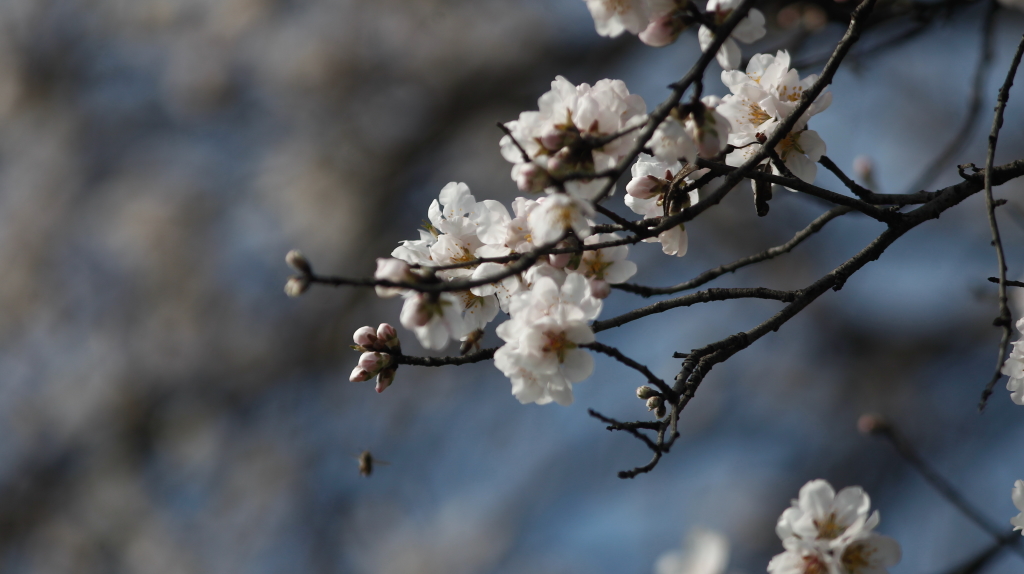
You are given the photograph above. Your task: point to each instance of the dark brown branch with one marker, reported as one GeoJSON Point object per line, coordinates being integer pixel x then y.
{"type": "Point", "coordinates": [877, 198]}
{"type": "Point", "coordinates": [770, 253]}
{"type": "Point", "coordinates": [800, 185]}
{"type": "Point", "coordinates": [713, 294]}
{"type": "Point", "coordinates": [1008, 282]}
{"type": "Point", "coordinates": [643, 370]}
{"type": "Point", "coordinates": [631, 428]}
{"type": "Point", "coordinates": [1004, 320]}
{"type": "Point", "coordinates": [475, 357]}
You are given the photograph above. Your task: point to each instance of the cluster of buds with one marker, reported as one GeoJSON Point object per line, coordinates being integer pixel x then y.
{"type": "Point", "coordinates": [378, 348]}
{"type": "Point", "coordinates": [654, 400]}
{"type": "Point", "coordinates": [298, 284]}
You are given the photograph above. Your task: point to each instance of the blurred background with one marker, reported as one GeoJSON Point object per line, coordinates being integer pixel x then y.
{"type": "Point", "coordinates": [164, 408]}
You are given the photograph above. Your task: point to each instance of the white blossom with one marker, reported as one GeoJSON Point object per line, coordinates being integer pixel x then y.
{"type": "Point", "coordinates": [1014, 369]}
{"type": "Point", "coordinates": [1017, 495]}
{"type": "Point", "coordinates": [543, 358]}
{"type": "Point", "coordinates": [653, 177]}
{"type": "Point", "coordinates": [704, 552]}
{"type": "Point", "coordinates": [604, 267]}
{"type": "Point", "coordinates": [434, 318]}
{"type": "Point", "coordinates": [613, 17]}
{"type": "Point", "coordinates": [749, 29]}
{"type": "Point", "coordinates": [557, 138]}
{"type": "Point", "coordinates": [821, 514]}
{"type": "Point", "coordinates": [828, 532]}
{"type": "Point", "coordinates": [557, 214]}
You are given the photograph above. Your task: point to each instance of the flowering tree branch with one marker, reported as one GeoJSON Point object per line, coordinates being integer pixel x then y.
{"type": "Point", "coordinates": [1004, 319]}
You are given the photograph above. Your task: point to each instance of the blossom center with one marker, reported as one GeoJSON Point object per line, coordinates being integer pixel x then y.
{"type": "Point", "coordinates": [857, 557]}
{"type": "Point", "coordinates": [829, 529]}
{"type": "Point", "coordinates": [558, 343]}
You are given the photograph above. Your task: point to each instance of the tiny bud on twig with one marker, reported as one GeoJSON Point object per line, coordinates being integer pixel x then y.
{"type": "Point", "coordinates": [297, 261]}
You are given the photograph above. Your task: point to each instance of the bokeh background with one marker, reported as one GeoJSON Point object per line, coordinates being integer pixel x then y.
{"type": "Point", "coordinates": [164, 408]}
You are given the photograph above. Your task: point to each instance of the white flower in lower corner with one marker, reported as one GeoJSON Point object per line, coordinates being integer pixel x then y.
{"type": "Point", "coordinates": [434, 318]}
{"type": "Point", "coordinates": [1014, 369]}
{"type": "Point", "coordinates": [750, 29]}
{"type": "Point", "coordinates": [1017, 495]}
{"type": "Point", "coordinates": [822, 514]}
{"type": "Point", "coordinates": [704, 552]}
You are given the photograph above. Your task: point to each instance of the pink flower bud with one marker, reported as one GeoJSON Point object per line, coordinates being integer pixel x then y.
{"type": "Point", "coordinates": [359, 375]}
{"type": "Point", "coordinates": [385, 378]}
{"type": "Point", "coordinates": [600, 289]}
{"type": "Point", "coordinates": [365, 337]}
{"type": "Point", "coordinates": [416, 311]}
{"type": "Point", "coordinates": [644, 187]}
{"type": "Point", "coordinates": [553, 139]}
{"type": "Point", "coordinates": [387, 334]}
{"type": "Point", "coordinates": [863, 167]}
{"type": "Point", "coordinates": [372, 362]}
{"type": "Point", "coordinates": [662, 31]}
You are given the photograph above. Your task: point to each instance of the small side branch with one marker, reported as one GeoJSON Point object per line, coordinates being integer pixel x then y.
{"type": "Point", "coordinates": [1004, 320]}
{"type": "Point", "coordinates": [877, 198]}
{"type": "Point", "coordinates": [770, 253]}
{"type": "Point", "coordinates": [939, 483]}
{"type": "Point", "coordinates": [643, 370]}
{"type": "Point", "coordinates": [713, 294]}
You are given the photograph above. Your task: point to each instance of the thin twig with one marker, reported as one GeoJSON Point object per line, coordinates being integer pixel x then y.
{"type": "Point", "coordinates": [713, 294]}
{"type": "Point", "coordinates": [1004, 320]}
{"type": "Point", "coordinates": [770, 253]}
{"type": "Point", "coordinates": [877, 198]}
{"type": "Point", "coordinates": [1007, 282]}
{"type": "Point", "coordinates": [907, 451]}
{"type": "Point", "coordinates": [643, 370]}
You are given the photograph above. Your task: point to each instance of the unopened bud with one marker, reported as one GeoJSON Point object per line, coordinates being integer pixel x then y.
{"type": "Point", "coordinates": [644, 392]}
{"type": "Point", "coordinates": [385, 378]}
{"type": "Point", "coordinates": [296, 285]}
{"type": "Point", "coordinates": [530, 178]}
{"type": "Point", "coordinates": [372, 362]}
{"type": "Point", "coordinates": [600, 289]}
{"type": "Point", "coordinates": [863, 167]}
{"type": "Point", "coordinates": [645, 187]}
{"type": "Point", "coordinates": [365, 337]}
{"type": "Point", "coordinates": [662, 31]}
{"type": "Point", "coordinates": [869, 424]}
{"type": "Point", "coordinates": [654, 403]}
{"type": "Point", "coordinates": [389, 336]}
{"type": "Point", "coordinates": [660, 412]}
{"type": "Point", "coordinates": [359, 375]}
{"type": "Point", "coordinates": [297, 261]}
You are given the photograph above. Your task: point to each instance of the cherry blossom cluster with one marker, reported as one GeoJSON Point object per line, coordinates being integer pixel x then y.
{"type": "Point", "coordinates": [565, 151]}
{"type": "Point", "coordinates": [824, 531]}
{"type": "Point", "coordinates": [550, 305]}
{"type": "Point", "coordinates": [378, 348]}
{"type": "Point", "coordinates": [1014, 369]}
{"type": "Point", "coordinates": [659, 23]}
{"type": "Point", "coordinates": [761, 99]}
